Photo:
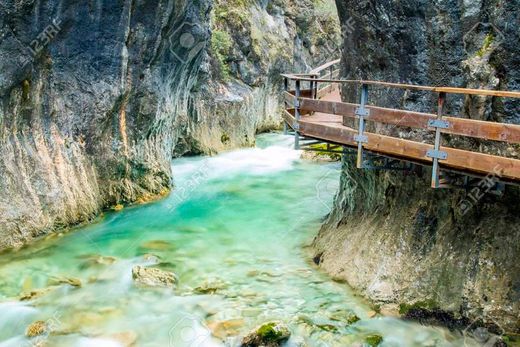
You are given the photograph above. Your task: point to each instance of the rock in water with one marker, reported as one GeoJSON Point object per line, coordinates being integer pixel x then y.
{"type": "Point", "coordinates": [37, 328]}
{"type": "Point", "coordinates": [270, 334]}
{"type": "Point", "coordinates": [153, 277]}
{"type": "Point", "coordinates": [64, 280]}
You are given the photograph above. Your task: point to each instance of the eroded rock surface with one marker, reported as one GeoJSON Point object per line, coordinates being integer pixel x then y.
{"type": "Point", "coordinates": [95, 99]}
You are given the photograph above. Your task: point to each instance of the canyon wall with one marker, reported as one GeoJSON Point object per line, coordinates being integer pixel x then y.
{"type": "Point", "coordinates": [97, 97]}
{"type": "Point", "coordinates": [391, 236]}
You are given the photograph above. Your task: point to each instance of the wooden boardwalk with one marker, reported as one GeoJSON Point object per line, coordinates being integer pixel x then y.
{"type": "Point", "coordinates": [320, 114]}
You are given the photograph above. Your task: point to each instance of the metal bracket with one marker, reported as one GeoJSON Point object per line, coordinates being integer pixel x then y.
{"type": "Point", "coordinates": [296, 126]}
{"type": "Point", "coordinates": [361, 138]}
{"type": "Point", "coordinates": [297, 103]}
{"type": "Point", "coordinates": [362, 112]}
{"type": "Point", "coordinates": [435, 154]}
{"type": "Point", "coordinates": [438, 123]}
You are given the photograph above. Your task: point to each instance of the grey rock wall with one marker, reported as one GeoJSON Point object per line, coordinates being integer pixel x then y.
{"type": "Point", "coordinates": [96, 97]}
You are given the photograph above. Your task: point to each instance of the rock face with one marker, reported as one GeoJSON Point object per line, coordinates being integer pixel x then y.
{"type": "Point", "coordinates": [391, 236]}
{"type": "Point", "coordinates": [95, 99]}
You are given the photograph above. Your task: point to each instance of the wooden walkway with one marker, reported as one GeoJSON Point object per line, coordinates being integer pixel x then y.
{"type": "Point", "coordinates": [320, 114]}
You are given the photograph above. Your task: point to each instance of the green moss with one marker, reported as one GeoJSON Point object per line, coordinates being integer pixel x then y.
{"type": "Point", "coordinates": [374, 340]}
{"type": "Point", "coordinates": [267, 332]}
{"type": "Point", "coordinates": [488, 40]}
{"type": "Point", "coordinates": [225, 139]}
{"type": "Point", "coordinates": [321, 148]}
{"type": "Point", "coordinates": [353, 319]}
{"type": "Point", "coordinates": [26, 88]}
{"type": "Point", "coordinates": [220, 46]}
{"type": "Point", "coordinates": [425, 305]}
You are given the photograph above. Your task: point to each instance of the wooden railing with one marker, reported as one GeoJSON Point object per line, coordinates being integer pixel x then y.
{"type": "Point", "coordinates": [307, 102]}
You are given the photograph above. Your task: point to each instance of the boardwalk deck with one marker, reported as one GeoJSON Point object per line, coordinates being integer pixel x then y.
{"type": "Point", "coordinates": [323, 118]}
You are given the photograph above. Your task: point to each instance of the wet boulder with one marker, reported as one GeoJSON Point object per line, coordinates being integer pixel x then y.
{"type": "Point", "coordinates": [37, 328]}
{"type": "Point", "coordinates": [271, 334]}
{"type": "Point", "coordinates": [153, 277]}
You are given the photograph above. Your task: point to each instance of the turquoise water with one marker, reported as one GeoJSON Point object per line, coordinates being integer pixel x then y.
{"type": "Point", "coordinates": [237, 225]}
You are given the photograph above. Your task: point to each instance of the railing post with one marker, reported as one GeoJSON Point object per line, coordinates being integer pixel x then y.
{"type": "Point", "coordinates": [296, 125]}
{"type": "Point", "coordinates": [362, 112]}
{"type": "Point", "coordinates": [314, 90]}
{"type": "Point", "coordinates": [436, 154]}
{"type": "Point", "coordinates": [331, 77]}
{"type": "Point", "coordinates": [286, 88]}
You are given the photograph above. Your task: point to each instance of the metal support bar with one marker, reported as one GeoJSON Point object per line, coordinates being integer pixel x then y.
{"type": "Point", "coordinates": [362, 112]}
{"type": "Point", "coordinates": [296, 126]}
{"type": "Point", "coordinates": [437, 154]}
{"type": "Point", "coordinates": [437, 123]}
{"type": "Point", "coordinates": [316, 87]}
{"type": "Point", "coordinates": [286, 88]}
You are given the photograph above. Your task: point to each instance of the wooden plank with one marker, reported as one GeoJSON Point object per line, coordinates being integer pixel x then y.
{"type": "Point", "coordinates": [289, 98]}
{"type": "Point", "coordinates": [305, 93]}
{"type": "Point", "coordinates": [325, 90]}
{"type": "Point", "coordinates": [326, 66]}
{"type": "Point", "coordinates": [457, 159]}
{"type": "Point", "coordinates": [457, 126]}
{"type": "Point", "coordinates": [483, 92]}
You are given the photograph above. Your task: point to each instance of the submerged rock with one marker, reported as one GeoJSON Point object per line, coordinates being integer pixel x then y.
{"type": "Point", "coordinates": [374, 340]}
{"type": "Point", "coordinates": [225, 329]}
{"type": "Point", "coordinates": [65, 280]}
{"type": "Point", "coordinates": [37, 328]}
{"type": "Point", "coordinates": [157, 245]}
{"type": "Point", "coordinates": [37, 293]}
{"type": "Point", "coordinates": [211, 286]}
{"type": "Point", "coordinates": [153, 277]}
{"type": "Point", "coordinates": [96, 260]}
{"type": "Point", "coordinates": [270, 334]}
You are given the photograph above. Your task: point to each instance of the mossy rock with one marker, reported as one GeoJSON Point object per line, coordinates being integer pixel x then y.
{"type": "Point", "coordinates": [271, 334]}
{"type": "Point", "coordinates": [419, 305]}
{"type": "Point", "coordinates": [373, 340]}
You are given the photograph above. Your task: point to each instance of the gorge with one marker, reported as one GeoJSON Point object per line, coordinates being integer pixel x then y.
{"type": "Point", "coordinates": [97, 99]}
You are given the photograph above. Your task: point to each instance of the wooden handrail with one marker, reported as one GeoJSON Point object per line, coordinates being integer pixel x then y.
{"type": "Point", "coordinates": [451, 90]}
{"type": "Point", "coordinates": [456, 126]}
{"type": "Point", "coordinates": [326, 122]}
{"type": "Point", "coordinates": [411, 150]}
{"type": "Point", "coordinates": [325, 66]}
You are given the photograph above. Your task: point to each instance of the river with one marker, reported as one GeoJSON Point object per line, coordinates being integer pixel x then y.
{"type": "Point", "coordinates": [237, 226]}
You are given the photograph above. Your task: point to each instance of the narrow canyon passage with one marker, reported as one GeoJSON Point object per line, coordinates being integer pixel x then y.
{"type": "Point", "coordinates": [234, 232]}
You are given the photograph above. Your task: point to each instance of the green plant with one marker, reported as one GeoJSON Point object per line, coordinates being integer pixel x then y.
{"type": "Point", "coordinates": [220, 46]}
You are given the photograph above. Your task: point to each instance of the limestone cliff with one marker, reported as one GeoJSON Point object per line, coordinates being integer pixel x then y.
{"type": "Point", "coordinates": [96, 97]}
{"type": "Point", "coordinates": [390, 235]}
